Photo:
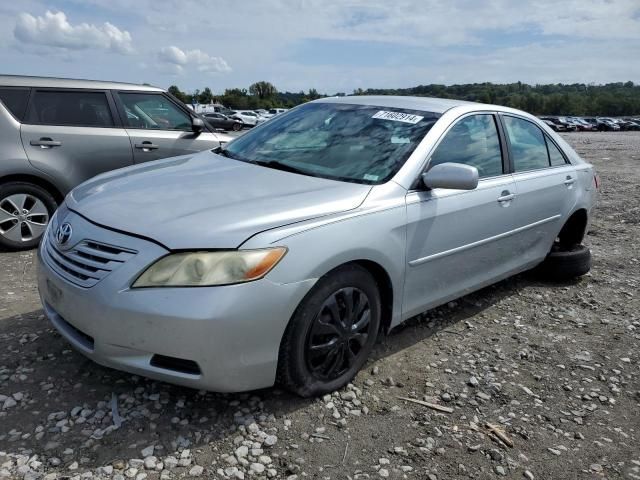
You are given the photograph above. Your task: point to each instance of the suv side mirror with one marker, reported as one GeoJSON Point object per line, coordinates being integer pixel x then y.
{"type": "Point", "coordinates": [197, 124]}
{"type": "Point", "coordinates": [455, 176]}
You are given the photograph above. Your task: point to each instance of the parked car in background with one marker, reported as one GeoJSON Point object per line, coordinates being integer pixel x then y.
{"type": "Point", "coordinates": [581, 124]}
{"type": "Point", "coordinates": [567, 126]}
{"type": "Point", "coordinates": [609, 124]}
{"type": "Point", "coordinates": [218, 120]}
{"type": "Point", "coordinates": [284, 256]}
{"type": "Point", "coordinates": [277, 111]}
{"type": "Point", "coordinates": [56, 133]}
{"type": "Point", "coordinates": [603, 125]}
{"type": "Point", "coordinates": [248, 117]}
{"type": "Point", "coordinates": [627, 125]}
{"type": "Point", "coordinates": [556, 127]}
{"type": "Point", "coordinates": [632, 123]}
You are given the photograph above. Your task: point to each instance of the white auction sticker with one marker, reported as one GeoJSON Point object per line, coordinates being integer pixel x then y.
{"type": "Point", "coordinates": [398, 117]}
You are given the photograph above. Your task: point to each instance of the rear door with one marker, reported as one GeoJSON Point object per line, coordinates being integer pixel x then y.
{"type": "Point", "coordinates": [545, 186]}
{"type": "Point", "coordinates": [159, 128]}
{"type": "Point", "coordinates": [74, 134]}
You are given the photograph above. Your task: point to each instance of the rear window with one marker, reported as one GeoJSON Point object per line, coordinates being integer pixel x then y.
{"type": "Point", "coordinates": [528, 146]}
{"type": "Point", "coordinates": [74, 108]}
{"type": "Point", "coordinates": [15, 99]}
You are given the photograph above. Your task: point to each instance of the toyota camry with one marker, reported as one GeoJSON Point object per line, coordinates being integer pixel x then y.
{"type": "Point", "coordinates": [283, 256]}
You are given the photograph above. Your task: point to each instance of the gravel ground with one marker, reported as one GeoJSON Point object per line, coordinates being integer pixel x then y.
{"type": "Point", "coordinates": [537, 380]}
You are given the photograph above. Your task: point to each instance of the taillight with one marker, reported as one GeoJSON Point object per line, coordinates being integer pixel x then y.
{"type": "Point", "coordinates": [596, 181]}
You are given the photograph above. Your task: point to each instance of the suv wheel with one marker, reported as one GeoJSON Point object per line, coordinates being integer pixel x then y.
{"type": "Point", "coordinates": [25, 210]}
{"type": "Point", "coordinates": [331, 333]}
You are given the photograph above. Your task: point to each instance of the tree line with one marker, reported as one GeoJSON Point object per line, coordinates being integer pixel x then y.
{"type": "Point", "coordinates": [611, 99]}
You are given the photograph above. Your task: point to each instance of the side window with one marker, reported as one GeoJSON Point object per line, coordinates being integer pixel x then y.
{"type": "Point", "coordinates": [153, 111]}
{"type": "Point", "coordinates": [555, 155]}
{"type": "Point", "coordinates": [473, 141]}
{"type": "Point", "coordinates": [528, 146]}
{"type": "Point", "coordinates": [15, 99]}
{"type": "Point", "coordinates": [74, 108]}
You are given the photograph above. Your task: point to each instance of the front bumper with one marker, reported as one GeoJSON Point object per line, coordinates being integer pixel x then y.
{"type": "Point", "coordinates": [231, 333]}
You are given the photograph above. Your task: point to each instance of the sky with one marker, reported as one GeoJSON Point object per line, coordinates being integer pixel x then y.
{"type": "Point", "coordinates": [330, 45]}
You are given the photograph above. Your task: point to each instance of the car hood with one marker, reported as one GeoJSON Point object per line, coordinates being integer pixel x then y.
{"type": "Point", "coordinates": [207, 201]}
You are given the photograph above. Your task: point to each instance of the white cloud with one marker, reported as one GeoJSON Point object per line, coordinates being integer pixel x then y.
{"type": "Point", "coordinates": [54, 30]}
{"type": "Point", "coordinates": [338, 45]}
{"type": "Point", "coordinates": [176, 60]}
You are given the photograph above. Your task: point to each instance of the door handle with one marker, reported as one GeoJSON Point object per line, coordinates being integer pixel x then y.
{"type": "Point", "coordinates": [569, 180]}
{"type": "Point", "coordinates": [506, 196]}
{"type": "Point", "coordinates": [147, 146]}
{"type": "Point", "coordinates": [45, 142]}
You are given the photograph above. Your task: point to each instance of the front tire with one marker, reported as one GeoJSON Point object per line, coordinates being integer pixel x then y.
{"type": "Point", "coordinates": [25, 210]}
{"type": "Point", "coordinates": [331, 333]}
{"type": "Point", "coordinates": [236, 127]}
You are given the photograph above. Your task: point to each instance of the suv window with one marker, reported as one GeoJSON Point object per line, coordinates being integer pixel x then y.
{"type": "Point", "coordinates": [473, 141]}
{"type": "Point", "coordinates": [76, 108]}
{"type": "Point", "coordinates": [153, 111]}
{"type": "Point", "coordinates": [528, 146]}
{"type": "Point", "coordinates": [555, 155]}
{"type": "Point", "coordinates": [15, 99]}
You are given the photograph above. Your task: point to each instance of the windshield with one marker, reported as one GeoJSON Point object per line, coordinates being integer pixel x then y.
{"type": "Point", "coordinates": [354, 143]}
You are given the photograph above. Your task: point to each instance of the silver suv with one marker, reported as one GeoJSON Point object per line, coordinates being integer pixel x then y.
{"type": "Point", "coordinates": [56, 133]}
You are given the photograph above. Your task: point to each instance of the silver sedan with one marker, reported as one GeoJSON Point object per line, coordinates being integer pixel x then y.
{"type": "Point", "coordinates": [284, 256]}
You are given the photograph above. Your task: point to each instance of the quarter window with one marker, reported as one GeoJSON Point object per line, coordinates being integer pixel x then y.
{"type": "Point", "coordinates": [75, 108]}
{"type": "Point", "coordinates": [153, 111]}
{"type": "Point", "coordinates": [15, 99]}
{"type": "Point", "coordinates": [555, 155]}
{"type": "Point", "coordinates": [528, 146]}
{"type": "Point", "coordinates": [473, 141]}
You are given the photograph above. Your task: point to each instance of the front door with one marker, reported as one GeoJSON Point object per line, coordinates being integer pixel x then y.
{"type": "Point", "coordinates": [459, 241]}
{"type": "Point", "coordinates": [158, 128]}
{"type": "Point", "coordinates": [73, 135]}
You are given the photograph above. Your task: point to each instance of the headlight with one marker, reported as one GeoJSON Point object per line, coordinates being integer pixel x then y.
{"type": "Point", "coordinates": [200, 269]}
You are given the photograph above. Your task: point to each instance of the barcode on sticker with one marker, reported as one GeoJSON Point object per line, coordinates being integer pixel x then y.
{"type": "Point", "coordinates": [398, 117]}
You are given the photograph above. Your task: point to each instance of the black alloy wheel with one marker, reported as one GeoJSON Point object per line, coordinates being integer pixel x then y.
{"type": "Point", "coordinates": [338, 334]}
{"type": "Point", "coordinates": [331, 333]}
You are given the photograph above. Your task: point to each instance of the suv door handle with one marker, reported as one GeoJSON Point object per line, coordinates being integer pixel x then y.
{"type": "Point", "coordinates": [45, 142]}
{"type": "Point", "coordinates": [506, 196]}
{"type": "Point", "coordinates": [569, 180]}
{"type": "Point", "coordinates": [147, 146]}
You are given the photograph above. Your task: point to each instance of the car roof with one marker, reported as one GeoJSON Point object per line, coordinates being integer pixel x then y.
{"type": "Point", "coordinates": [427, 104]}
{"type": "Point", "coordinates": [51, 82]}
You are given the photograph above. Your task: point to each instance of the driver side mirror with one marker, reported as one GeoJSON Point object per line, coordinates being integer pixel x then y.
{"type": "Point", "coordinates": [455, 176]}
{"type": "Point", "coordinates": [197, 124]}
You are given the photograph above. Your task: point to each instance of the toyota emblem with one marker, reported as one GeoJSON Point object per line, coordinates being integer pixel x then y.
{"type": "Point", "coordinates": [63, 233]}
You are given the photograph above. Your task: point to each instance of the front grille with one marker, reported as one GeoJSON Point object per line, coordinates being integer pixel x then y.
{"type": "Point", "coordinates": [86, 263]}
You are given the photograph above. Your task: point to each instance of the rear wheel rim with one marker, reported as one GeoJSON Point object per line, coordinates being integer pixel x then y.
{"type": "Point", "coordinates": [23, 217]}
{"type": "Point", "coordinates": [338, 334]}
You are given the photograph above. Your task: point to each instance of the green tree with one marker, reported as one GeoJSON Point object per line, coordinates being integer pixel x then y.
{"type": "Point", "coordinates": [176, 92]}
{"type": "Point", "coordinates": [263, 90]}
{"type": "Point", "coordinates": [206, 96]}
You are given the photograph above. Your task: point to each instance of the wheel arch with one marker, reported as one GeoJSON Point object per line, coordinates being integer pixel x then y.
{"type": "Point", "coordinates": [575, 228]}
{"type": "Point", "coordinates": [384, 283]}
{"type": "Point", "coordinates": [385, 287]}
{"type": "Point", "coordinates": [36, 180]}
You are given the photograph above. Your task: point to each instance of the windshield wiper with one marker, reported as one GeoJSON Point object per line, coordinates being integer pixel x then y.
{"type": "Point", "coordinates": [275, 164]}
{"type": "Point", "coordinates": [224, 153]}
